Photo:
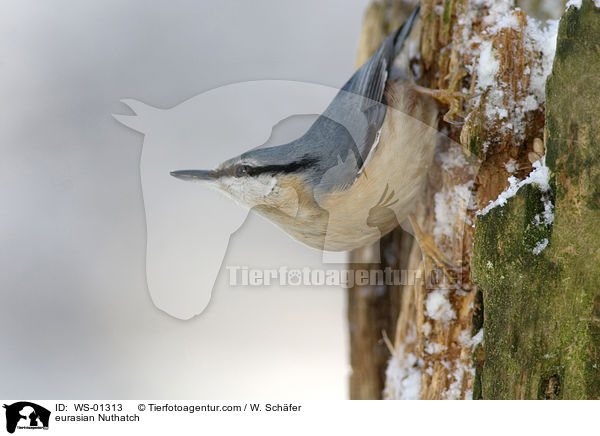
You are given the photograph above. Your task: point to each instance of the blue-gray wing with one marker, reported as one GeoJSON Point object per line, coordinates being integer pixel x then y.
{"type": "Point", "coordinates": [346, 132]}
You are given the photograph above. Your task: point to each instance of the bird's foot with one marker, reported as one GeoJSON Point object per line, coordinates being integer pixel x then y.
{"type": "Point", "coordinates": [451, 97]}
{"type": "Point", "coordinates": [445, 96]}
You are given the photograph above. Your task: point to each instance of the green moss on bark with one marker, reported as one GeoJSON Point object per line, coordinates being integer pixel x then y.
{"type": "Point", "coordinates": [542, 312]}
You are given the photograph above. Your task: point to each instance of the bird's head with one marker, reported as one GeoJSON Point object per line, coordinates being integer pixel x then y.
{"type": "Point", "coordinates": [265, 177]}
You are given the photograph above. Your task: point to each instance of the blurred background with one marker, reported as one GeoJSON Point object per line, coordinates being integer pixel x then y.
{"type": "Point", "coordinates": [76, 319]}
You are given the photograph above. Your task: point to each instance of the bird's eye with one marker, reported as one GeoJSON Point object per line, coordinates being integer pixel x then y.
{"type": "Point", "coordinates": [242, 170]}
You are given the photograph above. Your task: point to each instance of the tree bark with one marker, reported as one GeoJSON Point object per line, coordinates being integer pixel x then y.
{"type": "Point", "coordinates": [534, 291]}
{"type": "Point", "coordinates": [542, 312]}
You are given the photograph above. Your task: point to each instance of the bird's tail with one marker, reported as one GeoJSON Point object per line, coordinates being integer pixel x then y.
{"type": "Point", "coordinates": [403, 31]}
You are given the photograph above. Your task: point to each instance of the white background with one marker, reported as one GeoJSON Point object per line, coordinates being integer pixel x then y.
{"type": "Point", "coordinates": [353, 418]}
{"type": "Point", "coordinates": [76, 320]}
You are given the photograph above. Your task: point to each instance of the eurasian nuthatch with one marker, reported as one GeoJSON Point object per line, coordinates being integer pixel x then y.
{"type": "Point", "coordinates": [358, 170]}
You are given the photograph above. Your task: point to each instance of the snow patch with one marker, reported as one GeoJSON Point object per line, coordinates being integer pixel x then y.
{"type": "Point", "coordinates": [438, 306]}
{"type": "Point", "coordinates": [454, 391]}
{"type": "Point", "coordinates": [541, 39]}
{"type": "Point", "coordinates": [487, 67]}
{"type": "Point", "coordinates": [450, 204]}
{"type": "Point", "coordinates": [466, 339]}
{"type": "Point", "coordinates": [453, 158]}
{"type": "Point", "coordinates": [577, 4]}
{"type": "Point", "coordinates": [540, 176]}
{"type": "Point", "coordinates": [540, 246]}
{"type": "Point", "coordinates": [547, 217]}
{"type": "Point", "coordinates": [434, 348]}
{"type": "Point", "coordinates": [511, 166]}
{"type": "Point", "coordinates": [403, 375]}
{"type": "Point", "coordinates": [476, 340]}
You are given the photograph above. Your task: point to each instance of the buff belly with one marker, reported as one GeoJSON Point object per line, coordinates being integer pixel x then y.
{"type": "Point", "coordinates": [387, 189]}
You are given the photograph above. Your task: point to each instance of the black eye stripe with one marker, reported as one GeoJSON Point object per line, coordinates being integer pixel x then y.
{"type": "Point", "coordinates": [292, 167]}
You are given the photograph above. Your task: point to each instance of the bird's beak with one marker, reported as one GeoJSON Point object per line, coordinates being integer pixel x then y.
{"type": "Point", "coordinates": [195, 175]}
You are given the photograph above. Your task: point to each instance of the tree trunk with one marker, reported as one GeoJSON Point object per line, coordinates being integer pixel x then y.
{"type": "Point", "coordinates": [535, 294]}
{"type": "Point", "coordinates": [542, 312]}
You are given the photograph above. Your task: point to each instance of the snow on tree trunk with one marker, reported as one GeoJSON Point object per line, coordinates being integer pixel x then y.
{"type": "Point", "coordinates": [542, 306]}
{"type": "Point", "coordinates": [534, 299]}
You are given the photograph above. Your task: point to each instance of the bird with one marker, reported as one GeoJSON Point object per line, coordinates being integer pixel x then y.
{"type": "Point", "coordinates": [373, 143]}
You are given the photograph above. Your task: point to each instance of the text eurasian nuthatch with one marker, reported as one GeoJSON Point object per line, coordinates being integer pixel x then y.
{"type": "Point", "coordinates": [359, 169]}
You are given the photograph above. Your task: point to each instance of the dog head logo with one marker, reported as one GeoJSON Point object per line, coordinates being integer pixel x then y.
{"type": "Point", "coordinates": [26, 415]}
